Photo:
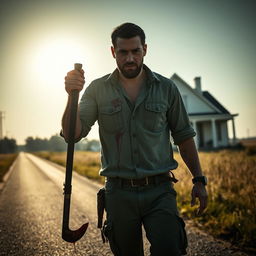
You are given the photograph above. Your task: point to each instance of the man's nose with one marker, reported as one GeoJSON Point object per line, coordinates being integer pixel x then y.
{"type": "Point", "coordinates": [129, 57]}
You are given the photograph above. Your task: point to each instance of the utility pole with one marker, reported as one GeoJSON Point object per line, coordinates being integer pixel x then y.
{"type": "Point", "coordinates": [1, 125]}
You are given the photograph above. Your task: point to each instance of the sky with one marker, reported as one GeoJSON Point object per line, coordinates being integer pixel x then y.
{"type": "Point", "coordinates": [40, 41]}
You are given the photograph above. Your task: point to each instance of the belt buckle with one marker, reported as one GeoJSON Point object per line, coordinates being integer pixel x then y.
{"type": "Point", "coordinates": [134, 185]}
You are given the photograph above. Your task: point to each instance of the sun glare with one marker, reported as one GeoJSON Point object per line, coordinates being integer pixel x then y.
{"type": "Point", "coordinates": [54, 58]}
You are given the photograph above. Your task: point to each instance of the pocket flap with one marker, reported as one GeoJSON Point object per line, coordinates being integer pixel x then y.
{"type": "Point", "coordinates": [109, 110]}
{"type": "Point", "coordinates": [155, 107]}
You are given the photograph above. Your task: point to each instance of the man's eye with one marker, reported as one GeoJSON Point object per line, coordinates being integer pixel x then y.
{"type": "Point", "coordinates": [136, 51]}
{"type": "Point", "coordinates": [123, 52]}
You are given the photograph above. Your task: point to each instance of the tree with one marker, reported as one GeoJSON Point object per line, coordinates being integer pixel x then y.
{"type": "Point", "coordinates": [93, 145]}
{"type": "Point", "coordinates": [57, 144]}
{"type": "Point", "coordinates": [36, 144]}
{"type": "Point", "coordinates": [8, 146]}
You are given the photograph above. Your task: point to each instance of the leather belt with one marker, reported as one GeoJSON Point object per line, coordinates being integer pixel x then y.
{"type": "Point", "coordinates": [150, 180]}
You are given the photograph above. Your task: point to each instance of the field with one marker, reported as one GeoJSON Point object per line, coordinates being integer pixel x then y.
{"type": "Point", "coordinates": [5, 162]}
{"type": "Point", "coordinates": [231, 212]}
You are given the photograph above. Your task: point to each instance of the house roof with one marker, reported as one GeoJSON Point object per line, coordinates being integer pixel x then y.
{"type": "Point", "coordinates": [206, 97]}
{"type": "Point", "coordinates": [216, 103]}
{"type": "Point", "coordinates": [199, 95]}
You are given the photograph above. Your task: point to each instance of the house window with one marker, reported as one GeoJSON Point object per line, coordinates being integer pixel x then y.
{"type": "Point", "coordinates": [219, 134]}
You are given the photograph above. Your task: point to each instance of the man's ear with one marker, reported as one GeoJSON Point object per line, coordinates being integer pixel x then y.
{"type": "Point", "coordinates": [145, 49]}
{"type": "Point", "coordinates": [113, 52]}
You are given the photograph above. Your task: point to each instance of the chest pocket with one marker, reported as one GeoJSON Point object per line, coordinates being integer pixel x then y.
{"type": "Point", "coordinates": [111, 118]}
{"type": "Point", "coordinates": [155, 116]}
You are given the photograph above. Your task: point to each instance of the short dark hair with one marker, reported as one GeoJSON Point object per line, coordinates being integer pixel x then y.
{"type": "Point", "coordinates": [128, 30]}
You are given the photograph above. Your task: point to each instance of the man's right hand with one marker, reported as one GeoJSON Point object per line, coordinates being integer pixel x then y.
{"type": "Point", "coordinates": [74, 80]}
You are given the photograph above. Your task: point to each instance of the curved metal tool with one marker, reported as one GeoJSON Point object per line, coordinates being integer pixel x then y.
{"type": "Point", "coordinates": [71, 235]}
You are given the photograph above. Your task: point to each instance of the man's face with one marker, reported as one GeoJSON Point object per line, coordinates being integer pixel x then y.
{"type": "Point", "coordinates": [129, 54]}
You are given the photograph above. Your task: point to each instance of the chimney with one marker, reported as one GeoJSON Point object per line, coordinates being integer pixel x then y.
{"type": "Point", "coordinates": [198, 84]}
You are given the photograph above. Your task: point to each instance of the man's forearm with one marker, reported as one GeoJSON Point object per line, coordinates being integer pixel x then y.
{"type": "Point", "coordinates": [66, 122]}
{"type": "Point", "coordinates": [189, 155]}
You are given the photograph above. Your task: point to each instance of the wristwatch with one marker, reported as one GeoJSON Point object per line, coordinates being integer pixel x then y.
{"type": "Point", "coordinates": [201, 179]}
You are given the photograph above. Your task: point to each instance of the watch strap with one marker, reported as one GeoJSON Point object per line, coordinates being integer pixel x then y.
{"type": "Point", "coordinates": [201, 179]}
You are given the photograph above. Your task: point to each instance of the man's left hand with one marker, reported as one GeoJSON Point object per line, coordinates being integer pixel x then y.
{"type": "Point", "coordinates": [199, 191]}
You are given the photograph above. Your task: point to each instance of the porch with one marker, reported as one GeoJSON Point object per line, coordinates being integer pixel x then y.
{"type": "Point", "coordinates": [212, 131]}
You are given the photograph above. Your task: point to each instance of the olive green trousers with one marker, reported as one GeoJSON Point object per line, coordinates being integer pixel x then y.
{"type": "Point", "coordinates": [154, 207]}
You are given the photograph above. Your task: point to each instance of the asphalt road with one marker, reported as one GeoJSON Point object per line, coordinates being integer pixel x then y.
{"type": "Point", "coordinates": [31, 206]}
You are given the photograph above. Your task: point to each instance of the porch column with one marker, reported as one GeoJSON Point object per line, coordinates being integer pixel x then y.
{"type": "Point", "coordinates": [234, 131]}
{"type": "Point", "coordinates": [214, 135]}
{"type": "Point", "coordinates": [197, 135]}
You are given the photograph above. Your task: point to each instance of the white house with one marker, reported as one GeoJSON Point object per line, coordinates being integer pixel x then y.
{"type": "Point", "coordinates": [208, 116]}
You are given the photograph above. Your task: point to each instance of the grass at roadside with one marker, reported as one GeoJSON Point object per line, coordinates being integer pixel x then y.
{"type": "Point", "coordinates": [85, 163]}
{"type": "Point", "coordinates": [6, 161]}
{"type": "Point", "coordinates": [231, 212]}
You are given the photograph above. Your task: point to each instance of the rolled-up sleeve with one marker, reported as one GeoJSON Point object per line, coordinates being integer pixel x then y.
{"type": "Point", "coordinates": [178, 120]}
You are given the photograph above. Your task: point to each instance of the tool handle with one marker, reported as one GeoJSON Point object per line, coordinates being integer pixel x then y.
{"type": "Point", "coordinates": [78, 66]}
{"type": "Point", "coordinates": [72, 122]}
{"type": "Point", "coordinates": [73, 109]}
{"type": "Point", "coordinates": [70, 152]}
{"type": "Point", "coordinates": [71, 135]}
{"type": "Point", "coordinates": [67, 234]}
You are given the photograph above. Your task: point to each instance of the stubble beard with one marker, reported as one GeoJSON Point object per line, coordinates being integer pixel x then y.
{"type": "Point", "coordinates": [131, 73]}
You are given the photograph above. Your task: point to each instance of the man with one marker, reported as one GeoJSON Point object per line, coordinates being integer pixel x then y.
{"type": "Point", "coordinates": [137, 110]}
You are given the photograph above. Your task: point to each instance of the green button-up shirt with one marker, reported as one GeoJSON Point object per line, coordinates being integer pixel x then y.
{"type": "Point", "coordinates": [135, 139]}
